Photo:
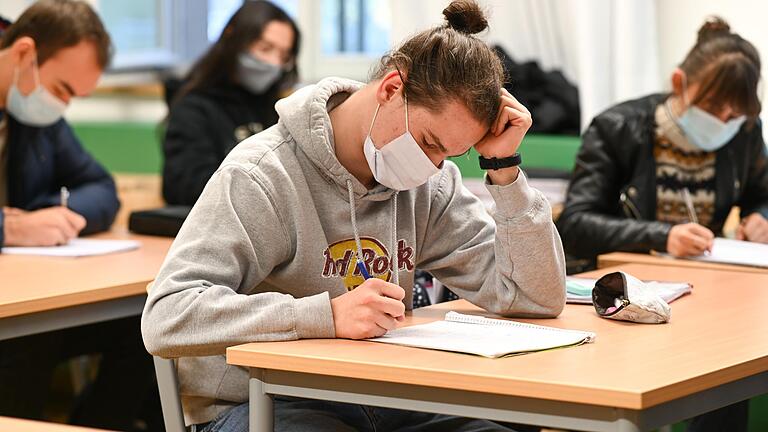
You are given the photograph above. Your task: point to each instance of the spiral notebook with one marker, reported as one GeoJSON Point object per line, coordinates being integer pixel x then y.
{"type": "Point", "coordinates": [483, 336]}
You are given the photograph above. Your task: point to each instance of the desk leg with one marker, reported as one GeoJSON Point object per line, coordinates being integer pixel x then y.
{"type": "Point", "coordinates": [628, 422]}
{"type": "Point", "coordinates": [260, 405]}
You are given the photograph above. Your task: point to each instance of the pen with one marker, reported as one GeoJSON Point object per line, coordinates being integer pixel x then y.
{"type": "Point", "coordinates": [689, 206]}
{"type": "Point", "coordinates": [363, 271]}
{"type": "Point", "coordinates": [64, 196]}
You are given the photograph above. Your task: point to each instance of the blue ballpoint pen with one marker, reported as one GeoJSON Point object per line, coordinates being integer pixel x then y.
{"type": "Point", "coordinates": [363, 270]}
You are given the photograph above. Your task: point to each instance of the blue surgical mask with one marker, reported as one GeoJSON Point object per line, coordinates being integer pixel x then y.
{"type": "Point", "coordinates": [704, 130]}
{"type": "Point", "coordinates": [40, 108]}
{"type": "Point", "coordinates": [255, 74]}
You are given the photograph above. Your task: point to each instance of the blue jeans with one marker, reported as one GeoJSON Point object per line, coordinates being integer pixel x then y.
{"type": "Point", "coordinates": [304, 415]}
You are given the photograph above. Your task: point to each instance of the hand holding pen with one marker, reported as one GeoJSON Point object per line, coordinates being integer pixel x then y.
{"type": "Point", "coordinates": [369, 310]}
{"type": "Point", "coordinates": [690, 239]}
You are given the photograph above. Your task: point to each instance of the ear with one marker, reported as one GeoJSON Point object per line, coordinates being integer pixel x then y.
{"type": "Point", "coordinates": [23, 52]}
{"type": "Point", "coordinates": [389, 88]}
{"type": "Point", "coordinates": [678, 81]}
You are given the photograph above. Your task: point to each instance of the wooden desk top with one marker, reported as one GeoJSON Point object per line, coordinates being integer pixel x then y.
{"type": "Point", "coordinates": [619, 258]}
{"type": "Point", "coordinates": [36, 283]}
{"type": "Point", "coordinates": [22, 425]}
{"type": "Point", "coordinates": [717, 334]}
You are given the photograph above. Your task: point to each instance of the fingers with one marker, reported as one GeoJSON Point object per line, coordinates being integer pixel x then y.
{"type": "Point", "coordinates": [391, 307]}
{"type": "Point", "coordinates": [695, 245]}
{"type": "Point", "coordinates": [740, 234]}
{"type": "Point", "coordinates": [513, 116]}
{"type": "Point", "coordinates": [76, 221]}
{"type": "Point", "coordinates": [703, 234]}
{"type": "Point", "coordinates": [689, 240]}
{"type": "Point", "coordinates": [385, 322]}
{"type": "Point", "coordinates": [510, 111]}
{"type": "Point", "coordinates": [62, 222]}
{"type": "Point", "coordinates": [506, 96]}
{"type": "Point", "coordinates": [755, 228]}
{"type": "Point", "coordinates": [52, 236]}
{"type": "Point", "coordinates": [388, 289]}
{"type": "Point", "coordinates": [701, 231]}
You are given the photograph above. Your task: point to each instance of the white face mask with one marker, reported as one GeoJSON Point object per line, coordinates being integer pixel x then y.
{"type": "Point", "coordinates": [400, 164]}
{"type": "Point", "coordinates": [255, 74]}
{"type": "Point", "coordinates": [39, 108]}
{"type": "Point", "coordinates": [705, 130]}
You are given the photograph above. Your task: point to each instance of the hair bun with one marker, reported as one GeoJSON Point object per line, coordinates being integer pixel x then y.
{"type": "Point", "coordinates": [465, 16]}
{"type": "Point", "coordinates": [712, 28]}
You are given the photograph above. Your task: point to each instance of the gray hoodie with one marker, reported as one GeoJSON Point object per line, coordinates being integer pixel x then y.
{"type": "Point", "coordinates": [270, 242]}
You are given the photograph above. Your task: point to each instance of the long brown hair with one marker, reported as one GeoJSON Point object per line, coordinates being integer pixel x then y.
{"type": "Point", "coordinates": [219, 64]}
{"type": "Point", "coordinates": [449, 63]}
{"type": "Point", "coordinates": [726, 66]}
{"type": "Point", "coordinates": [59, 24]}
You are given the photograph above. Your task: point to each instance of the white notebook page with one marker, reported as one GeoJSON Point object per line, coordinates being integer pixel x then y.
{"type": "Point", "coordinates": [487, 337]}
{"type": "Point", "coordinates": [76, 248]}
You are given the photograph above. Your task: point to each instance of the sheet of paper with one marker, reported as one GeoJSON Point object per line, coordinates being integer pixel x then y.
{"type": "Point", "coordinates": [78, 247]}
{"type": "Point", "coordinates": [727, 251]}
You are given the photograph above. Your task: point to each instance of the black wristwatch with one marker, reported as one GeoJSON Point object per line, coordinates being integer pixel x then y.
{"type": "Point", "coordinates": [498, 163]}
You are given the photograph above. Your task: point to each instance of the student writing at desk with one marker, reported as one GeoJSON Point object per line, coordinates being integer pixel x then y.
{"type": "Point", "coordinates": [54, 52]}
{"type": "Point", "coordinates": [640, 160]}
{"type": "Point", "coordinates": [39, 73]}
{"type": "Point", "coordinates": [356, 171]}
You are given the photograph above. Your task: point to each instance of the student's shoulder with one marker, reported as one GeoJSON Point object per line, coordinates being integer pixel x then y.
{"type": "Point", "coordinates": [445, 183]}
{"type": "Point", "coordinates": [264, 156]}
{"type": "Point", "coordinates": [201, 102]}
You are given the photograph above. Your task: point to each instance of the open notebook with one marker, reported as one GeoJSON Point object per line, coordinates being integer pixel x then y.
{"type": "Point", "coordinates": [487, 337]}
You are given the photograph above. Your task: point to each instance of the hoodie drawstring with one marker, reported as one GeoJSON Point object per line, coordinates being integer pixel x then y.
{"type": "Point", "coordinates": [393, 255]}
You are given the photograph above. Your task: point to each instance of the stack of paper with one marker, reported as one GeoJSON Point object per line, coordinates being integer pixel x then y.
{"type": "Point", "coordinates": [579, 290]}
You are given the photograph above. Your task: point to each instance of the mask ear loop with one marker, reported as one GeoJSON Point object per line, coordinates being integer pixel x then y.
{"type": "Point", "coordinates": [35, 73]}
{"type": "Point", "coordinates": [405, 99]}
{"type": "Point", "coordinates": [375, 113]}
{"type": "Point", "coordinates": [685, 91]}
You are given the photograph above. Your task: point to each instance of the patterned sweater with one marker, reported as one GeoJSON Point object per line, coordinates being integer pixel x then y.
{"type": "Point", "coordinates": [680, 165]}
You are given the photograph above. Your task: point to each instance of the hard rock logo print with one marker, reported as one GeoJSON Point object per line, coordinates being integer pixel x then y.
{"type": "Point", "coordinates": [340, 260]}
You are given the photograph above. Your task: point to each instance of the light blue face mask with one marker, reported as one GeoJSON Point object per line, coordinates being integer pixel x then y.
{"type": "Point", "coordinates": [704, 130]}
{"type": "Point", "coordinates": [39, 108]}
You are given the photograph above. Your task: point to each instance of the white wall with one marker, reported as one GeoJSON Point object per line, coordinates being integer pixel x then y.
{"type": "Point", "coordinates": [679, 22]}
{"type": "Point", "coordinates": [11, 9]}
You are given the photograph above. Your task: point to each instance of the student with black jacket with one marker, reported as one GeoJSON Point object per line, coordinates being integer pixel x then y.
{"type": "Point", "coordinates": [639, 160]}
{"type": "Point", "coordinates": [229, 95]}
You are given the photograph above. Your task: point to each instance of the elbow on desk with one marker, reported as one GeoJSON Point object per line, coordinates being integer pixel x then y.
{"type": "Point", "coordinates": [546, 304]}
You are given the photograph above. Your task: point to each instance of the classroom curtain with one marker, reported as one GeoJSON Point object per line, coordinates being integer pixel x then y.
{"type": "Point", "coordinates": [608, 48]}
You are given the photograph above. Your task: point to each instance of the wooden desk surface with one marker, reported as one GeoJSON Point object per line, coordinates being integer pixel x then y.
{"type": "Point", "coordinates": [11, 424]}
{"type": "Point", "coordinates": [619, 258]}
{"type": "Point", "coordinates": [35, 283]}
{"type": "Point", "coordinates": [717, 334]}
